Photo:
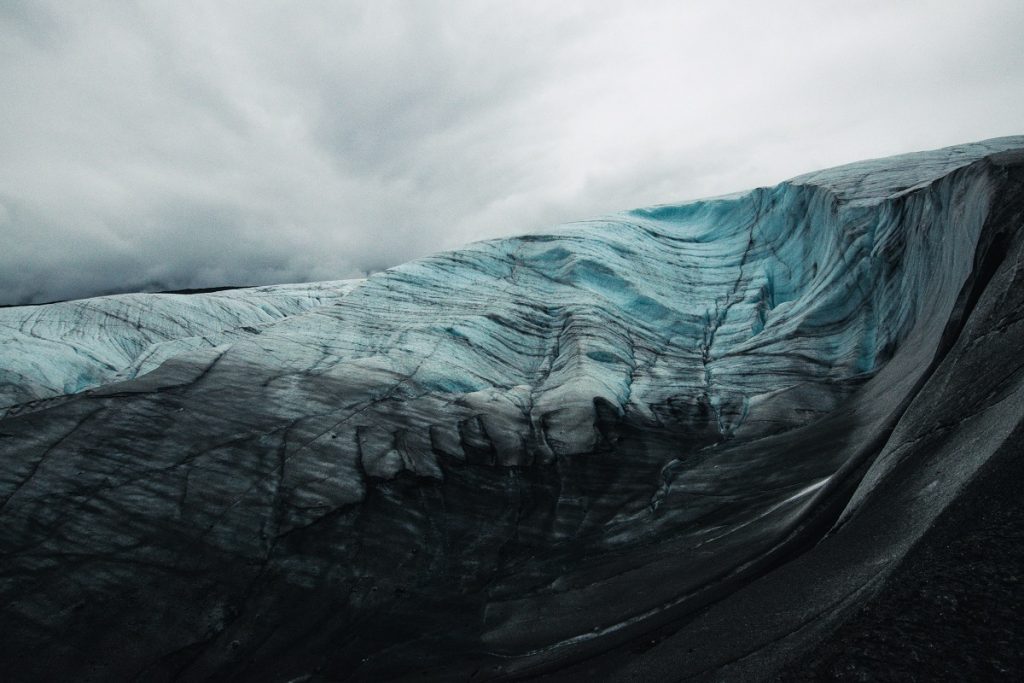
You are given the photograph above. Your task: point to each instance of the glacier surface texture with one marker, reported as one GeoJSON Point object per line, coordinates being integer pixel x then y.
{"type": "Point", "coordinates": [682, 442]}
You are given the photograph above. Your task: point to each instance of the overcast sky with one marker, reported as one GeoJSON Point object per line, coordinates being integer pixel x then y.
{"type": "Point", "coordinates": [191, 144]}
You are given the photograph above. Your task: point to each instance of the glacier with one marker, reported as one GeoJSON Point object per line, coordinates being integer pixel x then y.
{"type": "Point", "coordinates": [526, 456]}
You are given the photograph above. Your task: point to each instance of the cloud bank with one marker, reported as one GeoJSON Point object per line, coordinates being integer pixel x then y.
{"type": "Point", "coordinates": [195, 144]}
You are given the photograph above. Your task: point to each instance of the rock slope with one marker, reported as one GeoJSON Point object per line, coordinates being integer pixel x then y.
{"type": "Point", "coordinates": [682, 441]}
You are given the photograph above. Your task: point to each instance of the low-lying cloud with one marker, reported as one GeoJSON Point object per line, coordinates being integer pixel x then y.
{"type": "Point", "coordinates": [178, 145]}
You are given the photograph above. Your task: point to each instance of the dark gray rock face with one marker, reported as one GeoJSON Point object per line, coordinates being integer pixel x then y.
{"type": "Point", "coordinates": [681, 442]}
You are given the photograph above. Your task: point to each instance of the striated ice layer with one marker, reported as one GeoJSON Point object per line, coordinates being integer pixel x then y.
{"type": "Point", "coordinates": [63, 348]}
{"type": "Point", "coordinates": [509, 457]}
{"type": "Point", "coordinates": [739, 315]}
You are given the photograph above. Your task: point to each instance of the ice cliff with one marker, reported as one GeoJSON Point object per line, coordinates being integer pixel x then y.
{"type": "Point", "coordinates": [524, 456]}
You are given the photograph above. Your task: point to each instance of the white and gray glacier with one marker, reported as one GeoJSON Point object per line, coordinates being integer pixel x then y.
{"type": "Point", "coordinates": [698, 441]}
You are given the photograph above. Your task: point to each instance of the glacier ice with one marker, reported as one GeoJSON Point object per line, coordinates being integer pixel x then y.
{"type": "Point", "coordinates": [524, 449]}
{"type": "Point", "coordinates": [63, 348]}
{"type": "Point", "coordinates": [703, 317]}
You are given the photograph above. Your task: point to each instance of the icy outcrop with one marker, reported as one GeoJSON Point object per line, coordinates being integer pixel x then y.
{"type": "Point", "coordinates": [513, 456]}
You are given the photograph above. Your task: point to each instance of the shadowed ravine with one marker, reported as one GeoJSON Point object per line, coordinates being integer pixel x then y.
{"type": "Point", "coordinates": [680, 442]}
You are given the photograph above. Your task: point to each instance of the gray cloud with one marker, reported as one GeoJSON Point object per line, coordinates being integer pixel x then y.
{"type": "Point", "coordinates": [179, 144]}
